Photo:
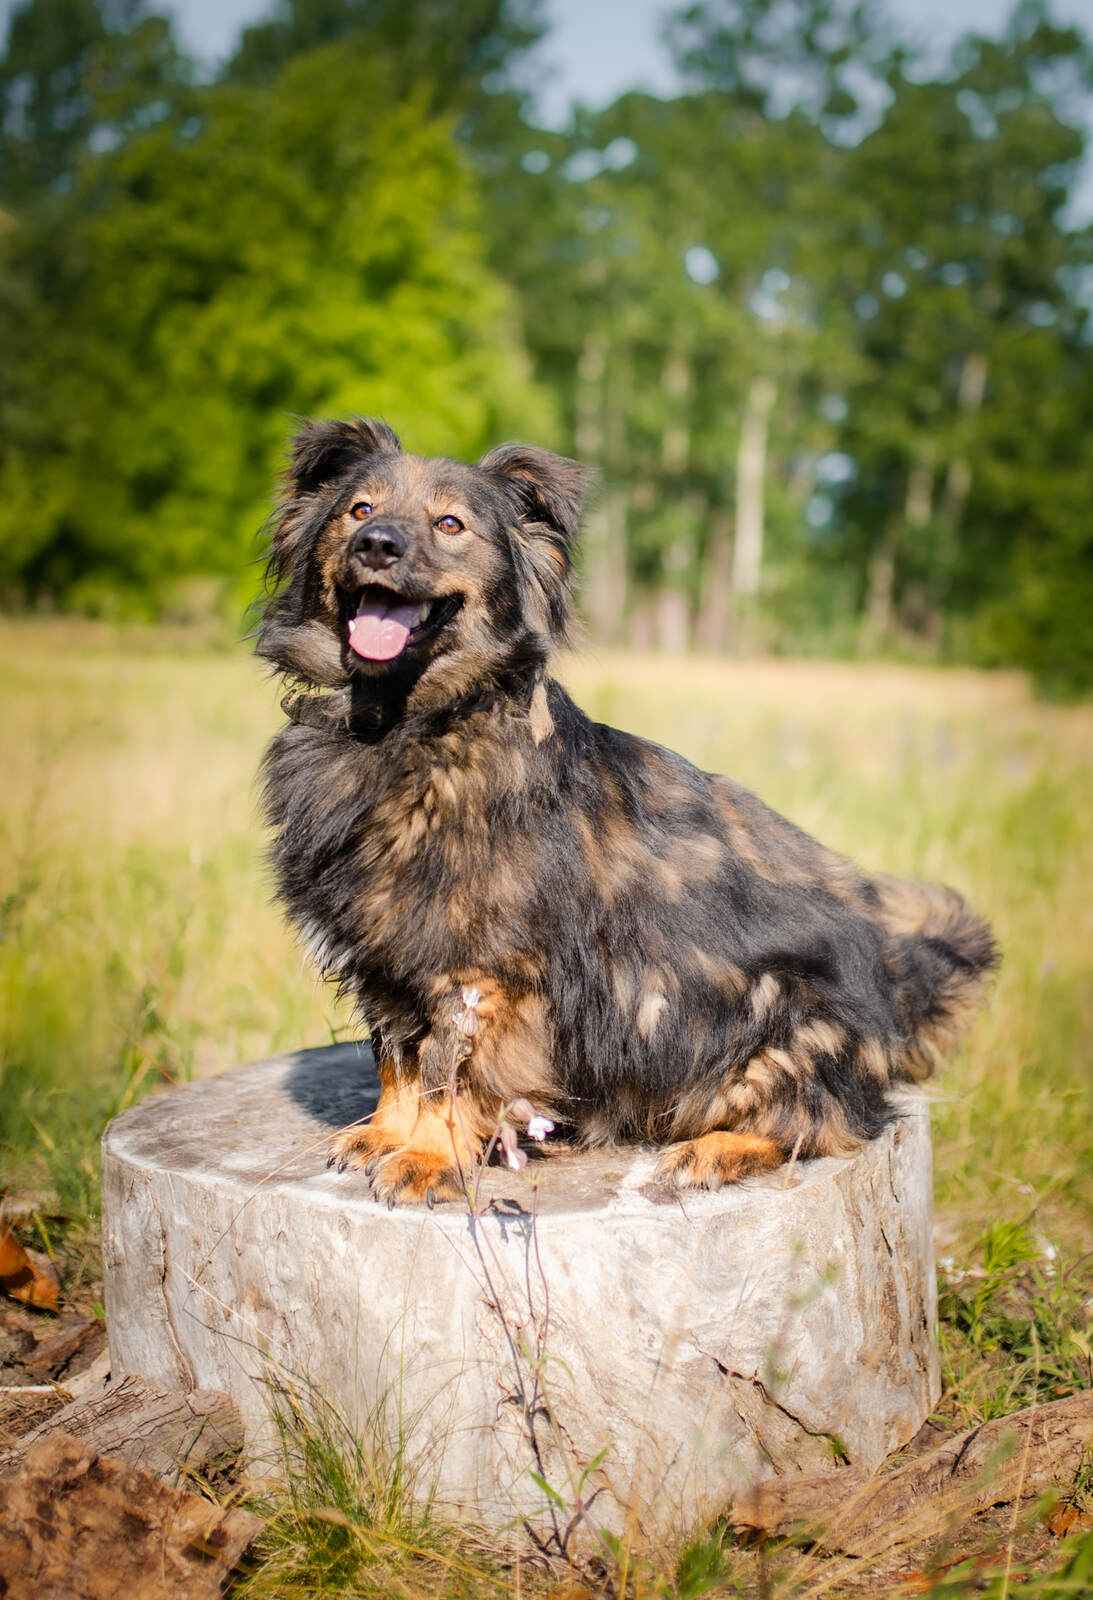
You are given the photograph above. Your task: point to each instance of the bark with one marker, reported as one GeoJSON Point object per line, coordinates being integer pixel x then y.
{"type": "Point", "coordinates": [87, 1527]}
{"type": "Point", "coordinates": [859, 1514]}
{"type": "Point", "coordinates": [751, 469]}
{"type": "Point", "coordinates": [156, 1428]}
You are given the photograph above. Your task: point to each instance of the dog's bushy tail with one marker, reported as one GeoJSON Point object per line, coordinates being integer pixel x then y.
{"type": "Point", "coordinates": [943, 954]}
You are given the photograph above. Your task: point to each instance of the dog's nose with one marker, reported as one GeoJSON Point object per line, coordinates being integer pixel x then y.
{"type": "Point", "coordinates": [379, 546]}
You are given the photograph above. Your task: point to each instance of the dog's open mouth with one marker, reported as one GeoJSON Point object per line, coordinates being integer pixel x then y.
{"type": "Point", "coordinates": [382, 623]}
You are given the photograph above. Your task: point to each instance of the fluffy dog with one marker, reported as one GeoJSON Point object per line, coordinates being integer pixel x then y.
{"type": "Point", "coordinates": [530, 906]}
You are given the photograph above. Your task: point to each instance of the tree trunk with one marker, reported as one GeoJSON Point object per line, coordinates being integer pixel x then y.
{"type": "Point", "coordinates": [958, 479]}
{"type": "Point", "coordinates": [880, 604]}
{"type": "Point", "coordinates": [751, 468]}
{"type": "Point", "coordinates": [599, 424]}
{"type": "Point", "coordinates": [673, 610]}
{"type": "Point", "coordinates": [712, 630]}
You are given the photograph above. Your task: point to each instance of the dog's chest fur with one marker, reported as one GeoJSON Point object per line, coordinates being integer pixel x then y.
{"type": "Point", "coordinates": [409, 859]}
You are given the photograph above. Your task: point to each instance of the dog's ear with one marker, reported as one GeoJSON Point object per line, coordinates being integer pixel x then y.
{"type": "Point", "coordinates": [549, 491]}
{"type": "Point", "coordinates": [323, 450]}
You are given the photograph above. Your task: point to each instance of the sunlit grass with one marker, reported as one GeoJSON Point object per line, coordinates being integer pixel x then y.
{"type": "Point", "coordinates": [139, 946]}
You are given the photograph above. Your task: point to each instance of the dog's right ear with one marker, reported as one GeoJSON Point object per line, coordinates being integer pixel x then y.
{"type": "Point", "coordinates": [321, 451]}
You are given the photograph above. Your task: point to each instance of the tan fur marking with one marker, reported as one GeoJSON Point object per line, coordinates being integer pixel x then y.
{"type": "Point", "coordinates": [539, 717]}
{"type": "Point", "coordinates": [650, 1006]}
{"type": "Point", "coordinates": [823, 1038]}
{"type": "Point", "coordinates": [724, 975]}
{"type": "Point", "coordinates": [873, 1058]}
{"type": "Point", "coordinates": [764, 994]}
{"type": "Point", "coordinates": [622, 980]}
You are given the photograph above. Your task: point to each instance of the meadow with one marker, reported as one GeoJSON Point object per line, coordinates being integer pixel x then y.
{"type": "Point", "coordinates": [139, 945]}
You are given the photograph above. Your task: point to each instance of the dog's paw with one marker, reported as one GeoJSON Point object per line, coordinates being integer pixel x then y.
{"type": "Point", "coordinates": [415, 1177]}
{"type": "Point", "coordinates": [360, 1146]}
{"type": "Point", "coordinates": [717, 1158]}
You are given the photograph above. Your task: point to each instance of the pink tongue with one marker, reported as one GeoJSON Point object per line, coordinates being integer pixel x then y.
{"type": "Point", "coordinates": [379, 633]}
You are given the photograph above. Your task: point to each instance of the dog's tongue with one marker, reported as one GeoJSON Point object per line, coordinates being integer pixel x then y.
{"type": "Point", "coordinates": [379, 632]}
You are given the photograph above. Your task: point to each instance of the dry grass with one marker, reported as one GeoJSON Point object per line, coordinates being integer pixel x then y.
{"type": "Point", "coordinates": [138, 946]}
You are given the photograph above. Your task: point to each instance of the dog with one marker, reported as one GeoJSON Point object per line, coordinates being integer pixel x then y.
{"type": "Point", "coordinates": [532, 909]}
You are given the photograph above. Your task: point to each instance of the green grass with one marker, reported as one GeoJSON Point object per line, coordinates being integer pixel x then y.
{"type": "Point", "coordinates": [139, 946]}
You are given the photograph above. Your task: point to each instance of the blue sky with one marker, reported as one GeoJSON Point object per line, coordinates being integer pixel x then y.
{"type": "Point", "coordinates": [598, 47]}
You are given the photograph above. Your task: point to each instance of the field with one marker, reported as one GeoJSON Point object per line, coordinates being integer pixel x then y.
{"type": "Point", "coordinates": [139, 945]}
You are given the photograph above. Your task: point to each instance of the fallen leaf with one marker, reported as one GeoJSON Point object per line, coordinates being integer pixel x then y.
{"type": "Point", "coordinates": [29, 1279]}
{"type": "Point", "coordinates": [1063, 1520]}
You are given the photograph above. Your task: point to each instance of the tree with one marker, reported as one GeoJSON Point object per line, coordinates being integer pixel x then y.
{"type": "Point", "coordinates": [957, 260]}
{"type": "Point", "coordinates": [78, 77]}
{"type": "Point", "coordinates": [208, 284]}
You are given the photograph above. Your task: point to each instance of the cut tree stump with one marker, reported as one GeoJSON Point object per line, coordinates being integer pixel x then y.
{"type": "Point", "coordinates": [649, 1356]}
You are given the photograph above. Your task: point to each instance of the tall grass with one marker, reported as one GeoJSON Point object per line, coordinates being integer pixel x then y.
{"type": "Point", "coordinates": [139, 944]}
{"type": "Point", "coordinates": [139, 947]}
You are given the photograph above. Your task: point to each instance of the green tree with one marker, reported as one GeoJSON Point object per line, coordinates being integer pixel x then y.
{"type": "Point", "coordinates": [79, 76]}
{"type": "Point", "coordinates": [207, 283]}
{"type": "Point", "coordinates": [959, 270]}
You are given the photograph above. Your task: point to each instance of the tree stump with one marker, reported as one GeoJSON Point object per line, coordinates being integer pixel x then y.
{"type": "Point", "coordinates": [648, 1357]}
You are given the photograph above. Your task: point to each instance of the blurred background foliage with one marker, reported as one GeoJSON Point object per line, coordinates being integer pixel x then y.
{"type": "Point", "coordinates": [821, 319]}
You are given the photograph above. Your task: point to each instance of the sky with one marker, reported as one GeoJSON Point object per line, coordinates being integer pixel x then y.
{"type": "Point", "coordinates": [598, 47]}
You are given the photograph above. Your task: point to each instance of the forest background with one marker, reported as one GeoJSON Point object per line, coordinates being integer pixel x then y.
{"type": "Point", "coordinates": [820, 318]}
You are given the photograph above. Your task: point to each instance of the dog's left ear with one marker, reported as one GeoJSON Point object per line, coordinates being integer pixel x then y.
{"type": "Point", "coordinates": [323, 450]}
{"type": "Point", "coordinates": [550, 492]}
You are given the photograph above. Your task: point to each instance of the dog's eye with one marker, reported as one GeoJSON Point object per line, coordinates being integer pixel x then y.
{"type": "Point", "coordinates": [362, 509]}
{"type": "Point", "coordinates": [448, 524]}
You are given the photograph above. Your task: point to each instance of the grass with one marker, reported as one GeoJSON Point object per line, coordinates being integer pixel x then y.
{"type": "Point", "coordinates": [139, 947]}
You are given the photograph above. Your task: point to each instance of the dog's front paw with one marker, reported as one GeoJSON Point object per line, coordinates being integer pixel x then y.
{"type": "Point", "coordinates": [359, 1146]}
{"type": "Point", "coordinates": [714, 1159]}
{"type": "Point", "coordinates": [415, 1177]}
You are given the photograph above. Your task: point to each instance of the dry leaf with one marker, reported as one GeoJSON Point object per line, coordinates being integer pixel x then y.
{"type": "Point", "coordinates": [24, 1278]}
{"type": "Point", "coordinates": [1063, 1520]}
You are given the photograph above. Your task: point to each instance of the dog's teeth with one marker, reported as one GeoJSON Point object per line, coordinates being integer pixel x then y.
{"type": "Point", "coordinates": [352, 623]}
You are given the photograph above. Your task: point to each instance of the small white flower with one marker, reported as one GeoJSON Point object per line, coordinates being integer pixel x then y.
{"type": "Point", "coordinates": [471, 996]}
{"type": "Point", "coordinates": [539, 1127]}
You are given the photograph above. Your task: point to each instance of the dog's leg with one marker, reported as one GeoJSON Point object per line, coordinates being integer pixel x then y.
{"type": "Point", "coordinates": [420, 1146]}
{"type": "Point", "coordinates": [716, 1158]}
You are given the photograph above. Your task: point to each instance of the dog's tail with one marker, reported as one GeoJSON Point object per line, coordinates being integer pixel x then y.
{"type": "Point", "coordinates": [943, 953]}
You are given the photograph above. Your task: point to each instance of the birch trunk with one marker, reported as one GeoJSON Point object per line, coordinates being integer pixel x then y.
{"type": "Point", "coordinates": [751, 469]}
{"type": "Point", "coordinates": [599, 425]}
{"type": "Point", "coordinates": [673, 611]}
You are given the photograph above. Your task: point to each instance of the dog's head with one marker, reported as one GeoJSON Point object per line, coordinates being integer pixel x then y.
{"type": "Point", "coordinates": [414, 570]}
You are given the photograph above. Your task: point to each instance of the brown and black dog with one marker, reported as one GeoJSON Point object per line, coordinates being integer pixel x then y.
{"type": "Point", "coordinates": [528, 905]}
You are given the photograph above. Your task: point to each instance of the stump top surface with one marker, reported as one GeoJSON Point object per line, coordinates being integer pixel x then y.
{"type": "Point", "coordinates": [270, 1125]}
